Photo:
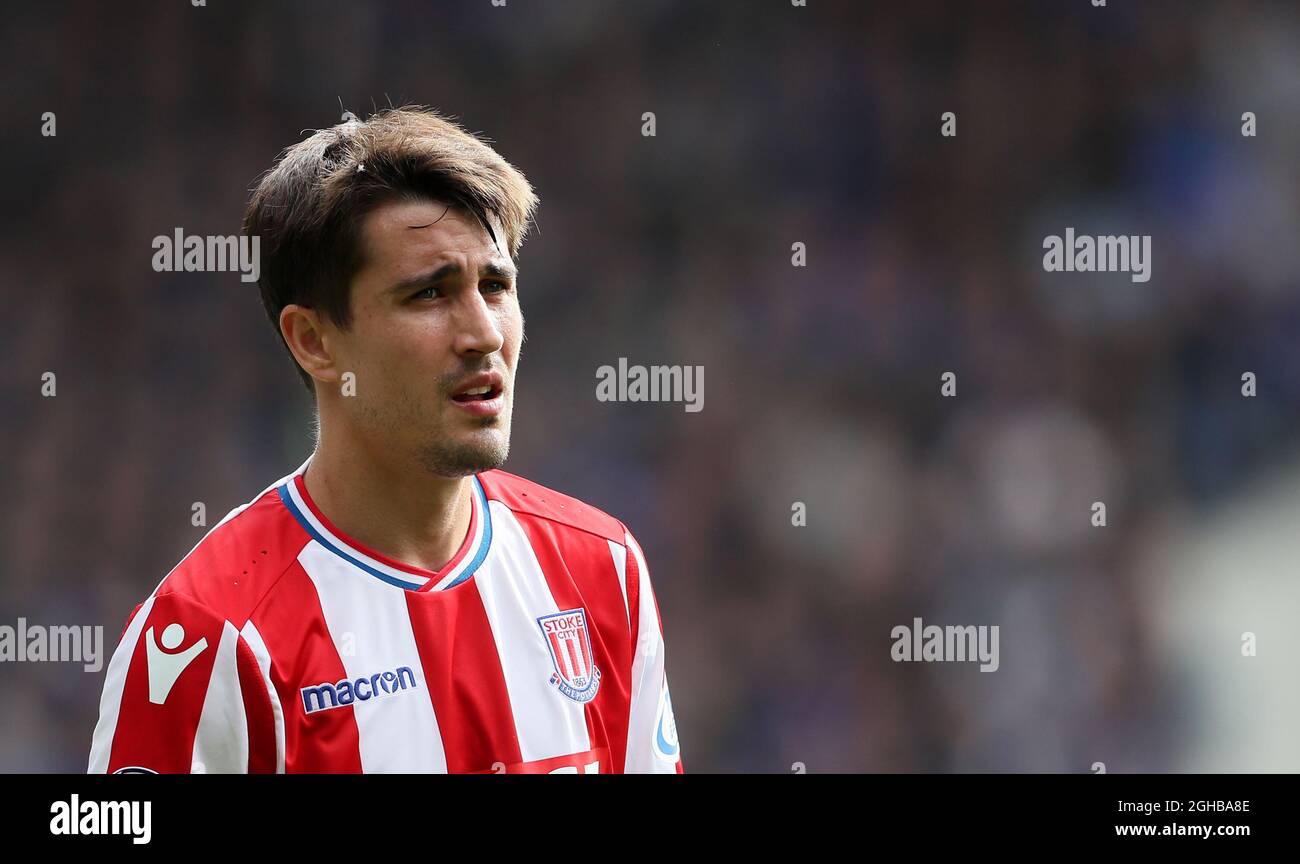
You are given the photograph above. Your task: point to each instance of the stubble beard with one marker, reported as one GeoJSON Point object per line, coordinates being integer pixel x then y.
{"type": "Point", "coordinates": [439, 453]}
{"type": "Point", "coordinates": [460, 459]}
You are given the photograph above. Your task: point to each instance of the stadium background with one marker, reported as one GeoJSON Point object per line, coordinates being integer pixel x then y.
{"type": "Point", "coordinates": [775, 124]}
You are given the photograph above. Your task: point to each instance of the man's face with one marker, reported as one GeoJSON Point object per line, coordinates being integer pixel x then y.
{"type": "Point", "coordinates": [435, 313]}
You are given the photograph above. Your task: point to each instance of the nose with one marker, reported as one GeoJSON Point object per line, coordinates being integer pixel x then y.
{"type": "Point", "coordinates": [477, 328]}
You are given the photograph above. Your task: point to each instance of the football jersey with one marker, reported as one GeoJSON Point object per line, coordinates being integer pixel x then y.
{"type": "Point", "coordinates": [278, 644]}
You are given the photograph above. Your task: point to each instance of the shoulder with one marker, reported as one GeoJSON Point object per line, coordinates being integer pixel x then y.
{"type": "Point", "coordinates": [589, 559]}
{"type": "Point", "coordinates": [240, 560]}
{"type": "Point", "coordinates": [526, 498]}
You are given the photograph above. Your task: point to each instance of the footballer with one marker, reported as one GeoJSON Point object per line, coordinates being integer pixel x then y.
{"type": "Point", "coordinates": [398, 603]}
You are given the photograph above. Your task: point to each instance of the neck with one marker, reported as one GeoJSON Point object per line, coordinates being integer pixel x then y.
{"type": "Point", "coordinates": [408, 514]}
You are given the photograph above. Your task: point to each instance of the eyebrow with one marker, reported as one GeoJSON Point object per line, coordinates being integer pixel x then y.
{"type": "Point", "coordinates": [491, 268]}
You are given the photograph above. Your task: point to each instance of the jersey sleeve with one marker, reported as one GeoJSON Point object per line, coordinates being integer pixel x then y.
{"type": "Point", "coordinates": [185, 693]}
{"type": "Point", "coordinates": [652, 746]}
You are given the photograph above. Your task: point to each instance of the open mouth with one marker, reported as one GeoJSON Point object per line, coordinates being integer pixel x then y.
{"type": "Point", "coordinates": [477, 394]}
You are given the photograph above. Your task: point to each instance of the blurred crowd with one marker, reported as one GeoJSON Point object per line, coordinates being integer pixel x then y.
{"type": "Point", "coordinates": [775, 125]}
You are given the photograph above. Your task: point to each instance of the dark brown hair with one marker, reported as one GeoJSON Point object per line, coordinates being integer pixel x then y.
{"type": "Point", "coordinates": [309, 207]}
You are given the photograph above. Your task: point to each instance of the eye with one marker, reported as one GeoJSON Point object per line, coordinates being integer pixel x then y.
{"type": "Point", "coordinates": [499, 286]}
{"type": "Point", "coordinates": [426, 294]}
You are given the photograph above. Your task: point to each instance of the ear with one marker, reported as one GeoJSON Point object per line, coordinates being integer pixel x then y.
{"type": "Point", "coordinates": [306, 334]}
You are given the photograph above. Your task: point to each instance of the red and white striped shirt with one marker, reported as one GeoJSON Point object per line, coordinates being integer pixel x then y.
{"type": "Point", "coordinates": [280, 645]}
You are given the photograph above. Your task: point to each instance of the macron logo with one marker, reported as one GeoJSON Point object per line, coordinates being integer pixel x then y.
{"type": "Point", "coordinates": [323, 697]}
{"type": "Point", "coordinates": [164, 667]}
